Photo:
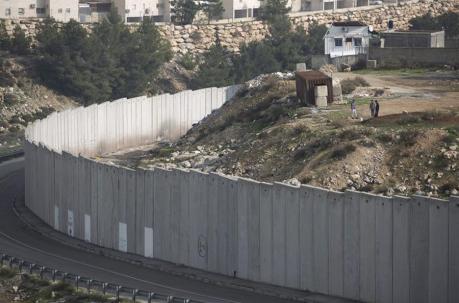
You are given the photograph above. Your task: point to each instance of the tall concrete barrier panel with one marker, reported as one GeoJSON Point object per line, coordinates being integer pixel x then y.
{"type": "Point", "coordinates": [306, 238]}
{"type": "Point", "coordinates": [292, 236]}
{"type": "Point", "coordinates": [56, 217]}
{"type": "Point", "coordinates": [162, 214]}
{"type": "Point", "coordinates": [70, 223]}
{"type": "Point", "coordinates": [142, 212]}
{"type": "Point", "coordinates": [351, 245]}
{"type": "Point", "coordinates": [384, 250]}
{"type": "Point", "coordinates": [94, 196]}
{"type": "Point", "coordinates": [400, 240]}
{"type": "Point", "coordinates": [336, 243]}
{"type": "Point", "coordinates": [453, 245]}
{"type": "Point", "coordinates": [266, 232]}
{"type": "Point", "coordinates": [212, 226]}
{"type": "Point", "coordinates": [149, 185]}
{"type": "Point", "coordinates": [438, 251]}
{"type": "Point", "coordinates": [198, 217]}
{"type": "Point", "coordinates": [243, 198]}
{"type": "Point", "coordinates": [87, 228]}
{"type": "Point", "coordinates": [184, 219]}
{"type": "Point", "coordinates": [419, 250]}
{"type": "Point", "coordinates": [367, 248]}
{"type": "Point", "coordinates": [122, 234]}
{"type": "Point", "coordinates": [279, 245]}
{"type": "Point", "coordinates": [320, 242]}
{"type": "Point", "coordinates": [131, 214]}
{"type": "Point", "coordinates": [175, 214]}
{"type": "Point", "coordinates": [252, 194]}
{"type": "Point", "coordinates": [227, 224]}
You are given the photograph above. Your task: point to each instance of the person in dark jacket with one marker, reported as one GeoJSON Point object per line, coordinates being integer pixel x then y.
{"type": "Point", "coordinates": [372, 108]}
{"type": "Point", "coordinates": [376, 108]}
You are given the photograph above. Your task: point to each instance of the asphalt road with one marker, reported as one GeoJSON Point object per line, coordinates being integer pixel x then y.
{"type": "Point", "coordinates": [18, 240]}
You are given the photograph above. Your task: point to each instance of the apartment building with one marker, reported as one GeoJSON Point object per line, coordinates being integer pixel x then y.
{"type": "Point", "coordinates": [61, 10]}
{"type": "Point", "coordinates": [136, 10]}
{"type": "Point", "coordinates": [235, 9]}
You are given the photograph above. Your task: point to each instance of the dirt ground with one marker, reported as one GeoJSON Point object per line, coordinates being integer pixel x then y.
{"type": "Point", "coordinates": [412, 92]}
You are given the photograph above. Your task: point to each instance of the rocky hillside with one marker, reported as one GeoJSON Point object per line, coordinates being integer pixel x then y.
{"type": "Point", "coordinates": [22, 100]}
{"type": "Point", "coordinates": [265, 134]}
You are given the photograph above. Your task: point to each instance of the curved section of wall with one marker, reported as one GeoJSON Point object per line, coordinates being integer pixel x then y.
{"type": "Point", "coordinates": [355, 245]}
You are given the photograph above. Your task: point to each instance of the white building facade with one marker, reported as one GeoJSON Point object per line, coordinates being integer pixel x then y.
{"type": "Point", "coordinates": [347, 39]}
{"type": "Point", "coordinates": [61, 10]}
{"type": "Point", "coordinates": [136, 10]}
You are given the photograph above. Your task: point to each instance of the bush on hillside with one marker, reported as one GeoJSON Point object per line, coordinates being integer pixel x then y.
{"type": "Point", "coordinates": [448, 21]}
{"type": "Point", "coordinates": [349, 85]}
{"type": "Point", "coordinates": [5, 40]}
{"type": "Point", "coordinates": [20, 43]}
{"type": "Point", "coordinates": [215, 69]}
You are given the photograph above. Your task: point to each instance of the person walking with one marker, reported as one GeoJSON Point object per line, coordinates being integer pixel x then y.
{"type": "Point", "coordinates": [376, 108]}
{"type": "Point", "coordinates": [353, 109]}
{"type": "Point", "coordinates": [372, 108]}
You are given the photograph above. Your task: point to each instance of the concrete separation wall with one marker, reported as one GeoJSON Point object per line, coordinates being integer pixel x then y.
{"type": "Point", "coordinates": [354, 245]}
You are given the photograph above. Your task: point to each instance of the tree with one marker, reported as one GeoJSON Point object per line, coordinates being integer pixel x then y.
{"type": "Point", "coordinates": [108, 63]}
{"type": "Point", "coordinates": [184, 11]}
{"type": "Point", "coordinates": [448, 21]}
{"type": "Point", "coordinates": [255, 58]}
{"type": "Point", "coordinates": [5, 40]}
{"type": "Point", "coordinates": [213, 9]}
{"type": "Point", "coordinates": [215, 69]}
{"type": "Point", "coordinates": [315, 39]}
{"type": "Point", "coordinates": [20, 43]}
{"type": "Point", "coordinates": [275, 13]}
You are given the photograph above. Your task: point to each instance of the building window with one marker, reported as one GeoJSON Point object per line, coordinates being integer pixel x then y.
{"type": "Point", "coordinates": [256, 12]}
{"type": "Point", "coordinates": [59, 11]}
{"type": "Point", "coordinates": [67, 10]}
{"type": "Point", "coordinates": [7, 11]}
{"type": "Point", "coordinates": [357, 41]}
{"type": "Point", "coordinates": [158, 18]}
{"type": "Point", "coordinates": [41, 10]}
{"type": "Point", "coordinates": [305, 5]}
{"type": "Point", "coordinates": [338, 42]}
{"type": "Point", "coordinates": [133, 19]}
{"type": "Point", "coordinates": [240, 13]}
{"type": "Point", "coordinates": [21, 11]}
{"type": "Point", "coordinates": [329, 5]}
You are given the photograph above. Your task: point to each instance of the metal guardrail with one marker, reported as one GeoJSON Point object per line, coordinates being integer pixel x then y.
{"type": "Point", "coordinates": [51, 274]}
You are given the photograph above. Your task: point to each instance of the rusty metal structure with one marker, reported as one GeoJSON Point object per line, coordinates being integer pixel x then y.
{"type": "Point", "coordinates": [306, 81]}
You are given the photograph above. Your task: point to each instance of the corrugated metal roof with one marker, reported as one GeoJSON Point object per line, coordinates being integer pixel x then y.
{"type": "Point", "coordinates": [349, 23]}
{"type": "Point", "coordinates": [352, 31]}
{"type": "Point", "coordinates": [312, 75]}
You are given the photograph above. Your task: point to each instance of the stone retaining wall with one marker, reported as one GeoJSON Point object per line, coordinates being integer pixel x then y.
{"type": "Point", "coordinates": [198, 38]}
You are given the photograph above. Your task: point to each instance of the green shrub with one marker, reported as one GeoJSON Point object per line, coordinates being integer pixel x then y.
{"type": "Point", "coordinates": [349, 85]}
{"type": "Point", "coordinates": [10, 99]}
{"type": "Point", "coordinates": [5, 40]}
{"type": "Point", "coordinates": [20, 43]}
{"type": "Point", "coordinates": [408, 119]}
{"type": "Point", "coordinates": [409, 136]}
{"type": "Point", "coordinates": [342, 152]}
{"type": "Point", "coordinates": [6, 273]}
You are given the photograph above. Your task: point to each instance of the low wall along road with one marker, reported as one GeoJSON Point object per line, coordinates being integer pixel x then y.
{"type": "Point", "coordinates": [351, 244]}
